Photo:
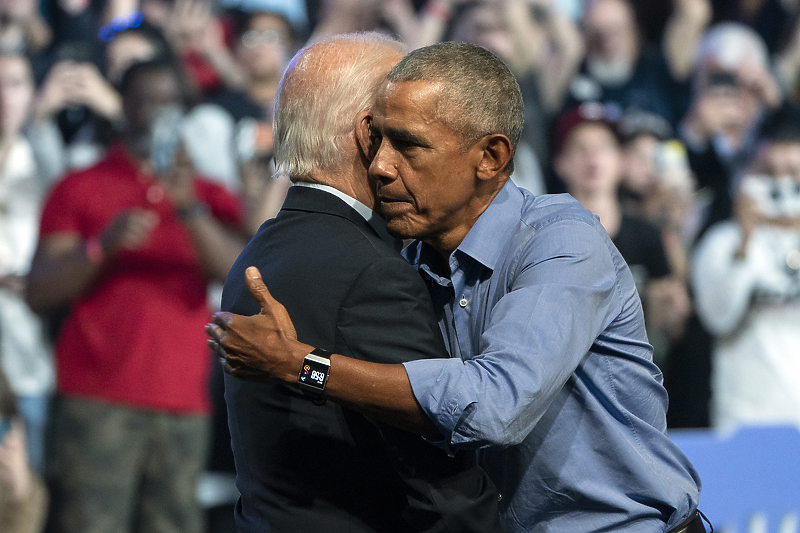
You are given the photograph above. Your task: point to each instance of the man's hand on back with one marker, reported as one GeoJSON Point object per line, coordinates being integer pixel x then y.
{"type": "Point", "coordinates": [263, 347]}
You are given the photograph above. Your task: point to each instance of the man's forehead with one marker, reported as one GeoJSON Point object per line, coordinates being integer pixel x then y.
{"type": "Point", "coordinates": [407, 98]}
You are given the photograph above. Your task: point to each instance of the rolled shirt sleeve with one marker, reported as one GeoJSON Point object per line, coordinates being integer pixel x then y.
{"type": "Point", "coordinates": [561, 289]}
{"type": "Point", "coordinates": [551, 375]}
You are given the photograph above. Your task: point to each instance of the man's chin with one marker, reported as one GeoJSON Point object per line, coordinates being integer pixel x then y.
{"type": "Point", "coordinates": [399, 228]}
{"type": "Point", "coordinates": [399, 233]}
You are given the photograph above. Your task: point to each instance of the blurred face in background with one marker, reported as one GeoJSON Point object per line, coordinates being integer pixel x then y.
{"type": "Point", "coordinates": [731, 106]}
{"type": "Point", "coordinates": [612, 40]}
{"type": "Point", "coordinates": [151, 91]}
{"type": "Point", "coordinates": [264, 48]}
{"type": "Point", "coordinates": [639, 157]}
{"type": "Point", "coordinates": [590, 164]}
{"type": "Point", "coordinates": [16, 93]}
{"type": "Point", "coordinates": [484, 25]}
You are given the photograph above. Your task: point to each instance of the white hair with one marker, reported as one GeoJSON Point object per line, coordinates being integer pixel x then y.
{"type": "Point", "coordinates": [326, 85]}
{"type": "Point", "coordinates": [731, 44]}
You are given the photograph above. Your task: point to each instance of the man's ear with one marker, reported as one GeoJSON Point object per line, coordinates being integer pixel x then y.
{"type": "Point", "coordinates": [363, 122]}
{"type": "Point", "coordinates": [496, 151]}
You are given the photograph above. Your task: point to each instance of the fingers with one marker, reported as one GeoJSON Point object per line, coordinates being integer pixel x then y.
{"type": "Point", "coordinates": [130, 229]}
{"type": "Point", "coordinates": [233, 365]}
{"type": "Point", "coordinates": [252, 277]}
{"type": "Point", "coordinates": [221, 319]}
{"type": "Point", "coordinates": [214, 343]}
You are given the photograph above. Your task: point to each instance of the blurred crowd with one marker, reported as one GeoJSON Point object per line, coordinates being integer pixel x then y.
{"type": "Point", "coordinates": [135, 161]}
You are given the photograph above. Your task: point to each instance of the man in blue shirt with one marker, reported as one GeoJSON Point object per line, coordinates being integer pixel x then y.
{"type": "Point", "coordinates": [550, 376]}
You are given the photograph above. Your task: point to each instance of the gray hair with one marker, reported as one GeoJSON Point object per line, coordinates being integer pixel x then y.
{"type": "Point", "coordinates": [479, 94]}
{"type": "Point", "coordinates": [731, 44]}
{"type": "Point", "coordinates": [326, 85]}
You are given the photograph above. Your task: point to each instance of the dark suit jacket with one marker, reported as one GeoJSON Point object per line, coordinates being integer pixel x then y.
{"type": "Point", "coordinates": [302, 467]}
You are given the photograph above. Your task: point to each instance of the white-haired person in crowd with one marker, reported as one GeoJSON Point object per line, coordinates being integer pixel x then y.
{"type": "Point", "coordinates": [732, 90]}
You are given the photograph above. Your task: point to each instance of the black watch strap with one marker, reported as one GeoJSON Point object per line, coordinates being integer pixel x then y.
{"type": "Point", "coordinates": [314, 374]}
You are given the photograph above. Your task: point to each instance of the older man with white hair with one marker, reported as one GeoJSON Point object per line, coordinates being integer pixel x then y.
{"type": "Point", "coordinates": [732, 89]}
{"type": "Point", "coordinates": [551, 377]}
{"type": "Point", "coordinates": [304, 464]}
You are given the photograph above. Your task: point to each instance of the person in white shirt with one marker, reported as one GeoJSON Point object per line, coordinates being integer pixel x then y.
{"type": "Point", "coordinates": [746, 277]}
{"type": "Point", "coordinates": [25, 353]}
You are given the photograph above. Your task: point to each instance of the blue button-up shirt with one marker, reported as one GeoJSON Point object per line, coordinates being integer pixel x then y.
{"type": "Point", "coordinates": [552, 376]}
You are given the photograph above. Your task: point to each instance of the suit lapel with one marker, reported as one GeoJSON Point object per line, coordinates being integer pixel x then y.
{"type": "Point", "coordinates": [317, 201]}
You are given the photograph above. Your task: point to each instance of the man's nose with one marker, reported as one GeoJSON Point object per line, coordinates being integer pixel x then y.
{"type": "Point", "coordinates": [383, 169]}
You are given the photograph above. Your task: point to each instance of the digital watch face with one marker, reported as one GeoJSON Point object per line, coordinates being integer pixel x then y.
{"type": "Point", "coordinates": [314, 374]}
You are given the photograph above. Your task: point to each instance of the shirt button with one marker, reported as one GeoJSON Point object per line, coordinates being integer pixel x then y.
{"type": "Point", "coordinates": [499, 497]}
{"type": "Point", "coordinates": [463, 302]}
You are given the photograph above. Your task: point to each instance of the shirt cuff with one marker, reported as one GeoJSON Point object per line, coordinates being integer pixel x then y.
{"type": "Point", "coordinates": [439, 387]}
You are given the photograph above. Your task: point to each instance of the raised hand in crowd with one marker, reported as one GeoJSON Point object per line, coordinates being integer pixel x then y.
{"type": "Point", "coordinates": [546, 42]}
{"type": "Point", "coordinates": [685, 27]}
{"type": "Point", "coordinates": [345, 16]}
{"type": "Point", "coordinates": [129, 230]}
{"type": "Point", "coordinates": [757, 79]}
{"type": "Point", "coordinates": [192, 26]}
{"type": "Point", "coordinates": [748, 215]}
{"type": "Point", "coordinates": [73, 7]}
{"type": "Point", "coordinates": [433, 21]}
{"type": "Point", "coordinates": [24, 23]}
{"type": "Point", "coordinates": [718, 109]}
{"type": "Point", "coordinates": [401, 17]}
{"type": "Point", "coordinates": [729, 100]}
{"type": "Point", "coordinates": [69, 84]}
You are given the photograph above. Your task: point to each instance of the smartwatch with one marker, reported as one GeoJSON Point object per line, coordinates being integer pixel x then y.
{"type": "Point", "coordinates": [314, 374]}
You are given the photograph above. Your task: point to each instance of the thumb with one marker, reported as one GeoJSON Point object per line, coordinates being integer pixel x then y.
{"type": "Point", "coordinates": [270, 307]}
{"type": "Point", "coordinates": [252, 278]}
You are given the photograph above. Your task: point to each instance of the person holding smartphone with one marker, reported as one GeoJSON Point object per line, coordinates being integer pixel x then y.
{"type": "Point", "coordinates": [127, 243]}
{"type": "Point", "coordinates": [746, 279]}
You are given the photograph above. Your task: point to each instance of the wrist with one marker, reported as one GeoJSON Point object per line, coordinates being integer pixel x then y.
{"type": "Point", "coordinates": [314, 374]}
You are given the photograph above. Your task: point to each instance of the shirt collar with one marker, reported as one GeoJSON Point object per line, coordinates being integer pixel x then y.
{"type": "Point", "coordinates": [377, 223]}
{"type": "Point", "coordinates": [487, 238]}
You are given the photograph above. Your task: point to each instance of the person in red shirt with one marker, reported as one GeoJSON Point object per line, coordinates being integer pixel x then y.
{"type": "Point", "coordinates": [125, 247]}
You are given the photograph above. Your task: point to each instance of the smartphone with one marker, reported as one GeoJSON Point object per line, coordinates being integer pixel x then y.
{"type": "Point", "coordinates": [774, 196]}
{"type": "Point", "coordinates": [672, 166]}
{"type": "Point", "coordinates": [166, 138]}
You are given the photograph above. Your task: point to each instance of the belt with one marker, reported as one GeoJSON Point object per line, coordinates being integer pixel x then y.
{"type": "Point", "coordinates": [693, 524]}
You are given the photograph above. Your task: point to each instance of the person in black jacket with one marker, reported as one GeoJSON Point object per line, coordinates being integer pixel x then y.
{"type": "Point", "coordinates": [306, 465]}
